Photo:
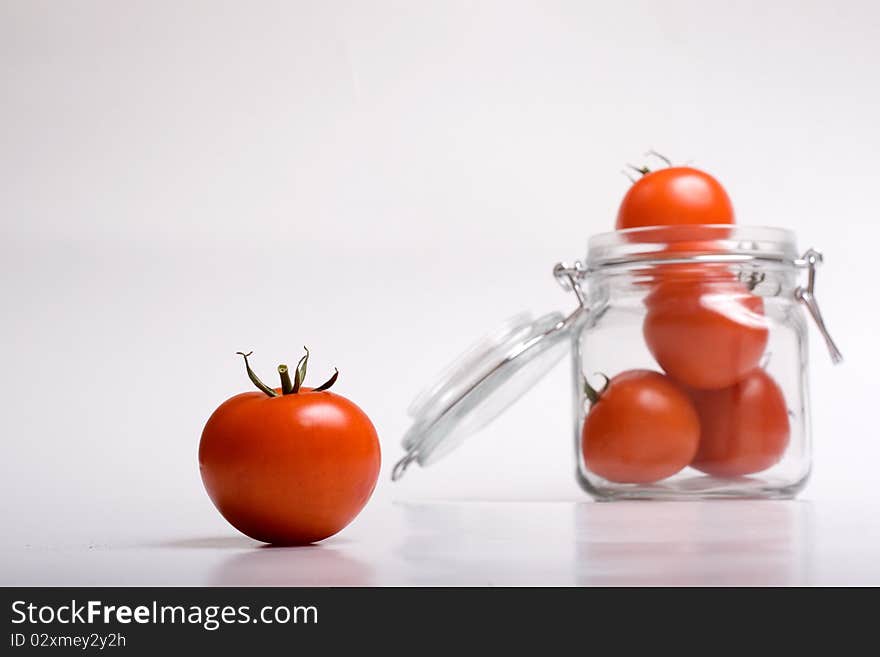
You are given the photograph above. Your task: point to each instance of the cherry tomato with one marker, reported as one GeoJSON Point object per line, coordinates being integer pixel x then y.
{"type": "Point", "coordinates": [642, 428]}
{"type": "Point", "coordinates": [292, 468]}
{"type": "Point", "coordinates": [672, 196]}
{"type": "Point", "coordinates": [705, 334]}
{"type": "Point", "coordinates": [744, 428]}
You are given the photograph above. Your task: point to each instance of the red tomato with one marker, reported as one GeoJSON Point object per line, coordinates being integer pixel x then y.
{"type": "Point", "coordinates": [744, 428]}
{"type": "Point", "coordinates": [705, 334]}
{"type": "Point", "coordinates": [642, 428]}
{"type": "Point", "coordinates": [289, 469]}
{"type": "Point", "coordinates": [677, 195]}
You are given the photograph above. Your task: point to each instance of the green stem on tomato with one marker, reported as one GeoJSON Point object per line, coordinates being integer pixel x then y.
{"type": "Point", "coordinates": [253, 377]}
{"type": "Point", "coordinates": [592, 394]}
{"type": "Point", "coordinates": [300, 375]}
{"type": "Point", "coordinates": [642, 170]}
{"type": "Point", "coordinates": [660, 156]}
{"type": "Point", "coordinates": [286, 385]}
{"type": "Point", "coordinates": [329, 382]}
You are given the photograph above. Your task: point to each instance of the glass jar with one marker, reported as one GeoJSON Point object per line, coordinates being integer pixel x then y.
{"type": "Point", "coordinates": [689, 358]}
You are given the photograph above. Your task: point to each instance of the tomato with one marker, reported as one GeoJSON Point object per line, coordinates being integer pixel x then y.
{"type": "Point", "coordinates": [673, 196]}
{"type": "Point", "coordinates": [642, 428]}
{"type": "Point", "coordinates": [289, 466]}
{"type": "Point", "coordinates": [705, 333]}
{"type": "Point", "coordinates": [744, 428]}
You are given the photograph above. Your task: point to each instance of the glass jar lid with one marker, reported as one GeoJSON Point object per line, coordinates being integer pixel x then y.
{"type": "Point", "coordinates": [481, 383]}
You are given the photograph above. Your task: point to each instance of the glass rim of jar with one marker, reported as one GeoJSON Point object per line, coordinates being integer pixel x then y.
{"type": "Point", "coordinates": [691, 243]}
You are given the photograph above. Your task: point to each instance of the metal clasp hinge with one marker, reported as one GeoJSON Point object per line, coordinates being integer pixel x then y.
{"type": "Point", "coordinates": [569, 277]}
{"type": "Point", "coordinates": [812, 259]}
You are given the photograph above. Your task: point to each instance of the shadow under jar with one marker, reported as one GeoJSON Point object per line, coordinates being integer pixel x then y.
{"type": "Point", "coordinates": [689, 361]}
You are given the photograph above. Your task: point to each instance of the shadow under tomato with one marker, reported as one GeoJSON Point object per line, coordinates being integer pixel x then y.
{"type": "Point", "coordinates": [212, 543]}
{"type": "Point", "coordinates": [309, 565]}
{"type": "Point", "coordinates": [238, 542]}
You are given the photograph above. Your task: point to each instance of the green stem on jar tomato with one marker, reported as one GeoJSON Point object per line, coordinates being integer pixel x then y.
{"type": "Point", "coordinates": [643, 170]}
{"type": "Point", "coordinates": [253, 377]}
{"type": "Point", "coordinates": [659, 156]}
{"type": "Point", "coordinates": [286, 385]}
{"type": "Point", "coordinates": [592, 394]}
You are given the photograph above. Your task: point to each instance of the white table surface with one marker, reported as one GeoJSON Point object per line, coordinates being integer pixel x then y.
{"type": "Point", "coordinates": [800, 542]}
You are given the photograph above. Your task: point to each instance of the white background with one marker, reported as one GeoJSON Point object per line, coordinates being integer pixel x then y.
{"type": "Point", "coordinates": [383, 182]}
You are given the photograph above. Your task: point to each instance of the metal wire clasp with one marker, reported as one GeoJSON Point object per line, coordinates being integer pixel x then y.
{"type": "Point", "coordinates": [569, 277]}
{"type": "Point", "coordinates": [812, 259]}
{"type": "Point", "coordinates": [401, 466]}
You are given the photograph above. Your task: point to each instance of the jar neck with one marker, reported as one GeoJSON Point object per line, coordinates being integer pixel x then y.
{"type": "Point", "coordinates": [763, 279]}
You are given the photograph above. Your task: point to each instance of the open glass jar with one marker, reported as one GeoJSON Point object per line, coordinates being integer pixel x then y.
{"type": "Point", "coordinates": [702, 334]}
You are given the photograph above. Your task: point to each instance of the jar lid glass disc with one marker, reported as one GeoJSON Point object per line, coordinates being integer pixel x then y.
{"type": "Point", "coordinates": [481, 383]}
